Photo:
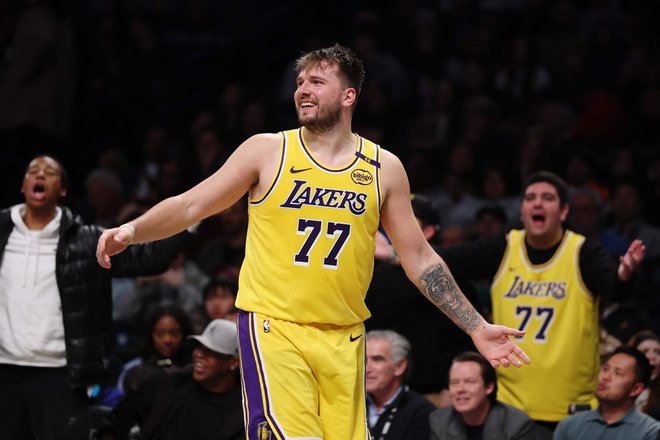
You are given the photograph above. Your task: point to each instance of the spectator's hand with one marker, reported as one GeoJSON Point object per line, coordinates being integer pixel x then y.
{"type": "Point", "coordinates": [494, 344]}
{"type": "Point", "coordinates": [111, 242]}
{"type": "Point", "coordinates": [629, 261]}
{"type": "Point", "coordinates": [384, 250]}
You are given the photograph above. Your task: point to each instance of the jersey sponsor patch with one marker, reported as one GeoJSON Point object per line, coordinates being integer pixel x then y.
{"type": "Point", "coordinates": [362, 177]}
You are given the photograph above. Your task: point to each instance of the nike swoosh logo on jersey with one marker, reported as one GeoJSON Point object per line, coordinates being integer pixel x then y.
{"type": "Point", "coordinates": [353, 339]}
{"type": "Point", "coordinates": [293, 170]}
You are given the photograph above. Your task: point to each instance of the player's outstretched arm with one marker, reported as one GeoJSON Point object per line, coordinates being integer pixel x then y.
{"type": "Point", "coordinates": [214, 194]}
{"type": "Point", "coordinates": [430, 274]}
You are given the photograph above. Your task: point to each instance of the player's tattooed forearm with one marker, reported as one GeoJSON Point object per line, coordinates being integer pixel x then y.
{"type": "Point", "coordinates": [441, 287]}
{"type": "Point", "coordinates": [470, 318]}
{"type": "Point", "coordinates": [443, 291]}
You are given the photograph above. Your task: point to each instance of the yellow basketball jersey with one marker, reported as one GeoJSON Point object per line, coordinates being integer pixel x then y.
{"type": "Point", "coordinates": [560, 317]}
{"type": "Point", "coordinates": [311, 238]}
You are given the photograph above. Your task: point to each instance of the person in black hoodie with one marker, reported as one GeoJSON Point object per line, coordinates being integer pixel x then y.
{"type": "Point", "coordinates": [56, 307]}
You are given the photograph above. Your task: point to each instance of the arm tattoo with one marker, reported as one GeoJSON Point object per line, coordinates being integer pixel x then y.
{"type": "Point", "coordinates": [442, 290]}
{"type": "Point", "coordinates": [441, 287]}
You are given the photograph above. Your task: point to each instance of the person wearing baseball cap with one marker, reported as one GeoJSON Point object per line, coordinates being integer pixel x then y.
{"type": "Point", "coordinates": [203, 405]}
{"type": "Point", "coordinates": [216, 356]}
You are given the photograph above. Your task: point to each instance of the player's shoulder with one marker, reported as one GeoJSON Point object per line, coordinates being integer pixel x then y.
{"type": "Point", "coordinates": [264, 140]}
{"type": "Point", "coordinates": [261, 146]}
{"type": "Point", "coordinates": [389, 160]}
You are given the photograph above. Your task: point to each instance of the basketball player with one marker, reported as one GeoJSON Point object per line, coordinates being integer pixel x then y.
{"type": "Point", "coordinates": [317, 195]}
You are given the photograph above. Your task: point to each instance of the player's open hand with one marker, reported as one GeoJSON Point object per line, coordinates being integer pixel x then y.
{"type": "Point", "coordinates": [494, 343]}
{"type": "Point", "coordinates": [111, 242]}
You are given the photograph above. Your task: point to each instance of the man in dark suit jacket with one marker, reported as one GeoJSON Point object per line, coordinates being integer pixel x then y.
{"type": "Point", "coordinates": [394, 411]}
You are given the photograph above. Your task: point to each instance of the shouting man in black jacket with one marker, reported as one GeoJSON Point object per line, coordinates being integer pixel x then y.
{"type": "Point", "coordinates": [56, 306]}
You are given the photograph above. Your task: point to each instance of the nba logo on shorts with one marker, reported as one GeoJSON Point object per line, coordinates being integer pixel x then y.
{"type": "Point", "coordinates": [263, 433]}
{"type": "Point", "coordinates": [266, 326]}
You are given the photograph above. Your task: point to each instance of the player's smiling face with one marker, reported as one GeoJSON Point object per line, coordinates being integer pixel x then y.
{"type": "Point", "coordinates": [542, 214]}
{"type": "Point", "coordinates": [42, 183]}
{"type": "Point", "coordinates": [319, 96]}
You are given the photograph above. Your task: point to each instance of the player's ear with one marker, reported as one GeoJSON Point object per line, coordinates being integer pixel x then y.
{"type": "Point", "coordinates": [350, 96]}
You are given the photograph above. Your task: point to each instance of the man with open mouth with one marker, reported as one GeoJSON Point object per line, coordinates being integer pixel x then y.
{"type": "Point", "coordinates": [548, 281]}
{"type": "Point", "coordinates": [56, 307]}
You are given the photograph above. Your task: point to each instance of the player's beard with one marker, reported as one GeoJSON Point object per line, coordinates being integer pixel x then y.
{"type": "Point", "coordinates": [324, 120]}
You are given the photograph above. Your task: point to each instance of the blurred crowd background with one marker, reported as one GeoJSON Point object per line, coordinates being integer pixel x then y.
{"type": "Point", "coordinates": [142, 99]}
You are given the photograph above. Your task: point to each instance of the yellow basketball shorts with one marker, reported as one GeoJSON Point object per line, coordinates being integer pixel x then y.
{"type": "Point", "coordinates": [302, 381]}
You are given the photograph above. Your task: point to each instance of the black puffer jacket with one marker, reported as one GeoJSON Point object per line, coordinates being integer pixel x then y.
{"type": "Point", "coordinates": [86, 291]}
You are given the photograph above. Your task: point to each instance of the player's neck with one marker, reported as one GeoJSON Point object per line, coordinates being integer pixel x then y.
{"type": "Point", "coordinates": [332, 146]}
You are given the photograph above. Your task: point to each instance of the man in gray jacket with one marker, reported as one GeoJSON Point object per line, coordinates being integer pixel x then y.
{"type": "Point", "coordinates": [475, 412]}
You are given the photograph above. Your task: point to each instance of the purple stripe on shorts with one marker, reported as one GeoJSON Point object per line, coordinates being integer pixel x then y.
{"type": "Point", "coordinates": [250, 366]}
